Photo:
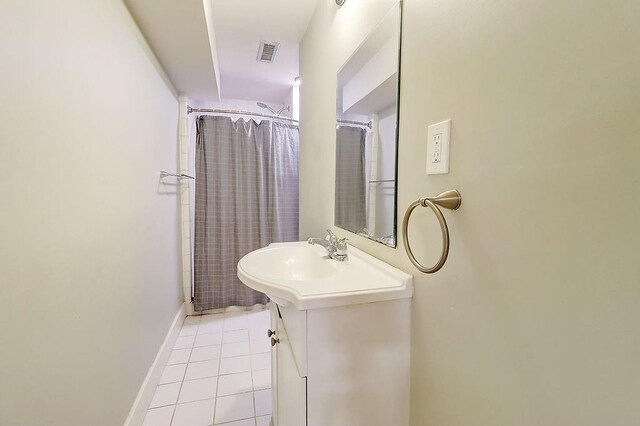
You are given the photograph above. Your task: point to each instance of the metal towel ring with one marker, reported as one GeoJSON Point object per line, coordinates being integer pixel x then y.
{"type": "Point", "coordinates": [449, 200]}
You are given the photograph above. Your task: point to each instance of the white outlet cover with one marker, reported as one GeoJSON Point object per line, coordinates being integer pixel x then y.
{"type": "Point", "coordinates": [438, 156]}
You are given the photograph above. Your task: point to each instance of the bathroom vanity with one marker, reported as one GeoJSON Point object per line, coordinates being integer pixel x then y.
{"type": "Point", "coordinates": [340, 334]}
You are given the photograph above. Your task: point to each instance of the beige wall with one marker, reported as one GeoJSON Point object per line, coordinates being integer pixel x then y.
{"type": "Point", "coordinates": [534, 319]}
{"type": "Point", "coordinates": [89, 259]}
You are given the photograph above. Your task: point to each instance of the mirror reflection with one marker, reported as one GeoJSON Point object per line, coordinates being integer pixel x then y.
{"type": "Point", "coordinates": [366, 134]}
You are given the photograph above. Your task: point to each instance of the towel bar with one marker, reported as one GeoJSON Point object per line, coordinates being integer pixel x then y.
{"type": "Point", "coordinates": [164, 174]}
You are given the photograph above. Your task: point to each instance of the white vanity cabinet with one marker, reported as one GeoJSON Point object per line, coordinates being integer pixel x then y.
{"type": "Point", "coordinates": [341, 366]}
{"type": "Point", "coordinates": [341, 345]}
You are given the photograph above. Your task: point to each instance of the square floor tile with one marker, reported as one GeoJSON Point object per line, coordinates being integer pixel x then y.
{"type": "Point", "coordinates": [165, 395]}
{"type": "Point", "coordinates": [261, 379]}
{"type": "Point", "coordinates": [261, 361]}
{"type": "Point", "coordinates": [199, 389]}
{"type": "Point", "coordinates": [260, 346]}
{"type": "Point", "coordinates": [259, 333]}
{"type": "Point", "coordinates": [263, 402]}
{"type": "Point", "coordinates": [258, 315]}
{"type": "Point", "coordinates": [173, 373]}
{"type": "Point", "coordinates": [199, 413]}
{"type": "Point", "coordinates": [263, 421]}
{"type": "Point", "coordinates": [192, 320]}
{"type": "Point", "coordinates": [211, 324]}
{"type": "Point", "coordinates": [188, 330]}
{"type": "Point", "coordinates": [159, 416]}
{"type": "Point", "coordinates": [179, 356]}
{"type": "Point", "coordinates": [208, 339]}
{"type": "Point", "coordinates": [201, 369]}
{"type": "Point", "coordinates": [234, 407]}
{"type": "Point", "coordinates": [213, 316]}
{"type": "Point", "coordinates": [236, 364]}
{"type": "Point", "coordinates": [205, 353]}
{"type": "Point", "coordinates": [235, 349]}
{"type": "Point", "coordinates": [245, 422]}
{"type": "Point", "coordinates": [234, 383]}
{"type": "Point", "coordinates": [235, 336]}
{"type": "Point", "coordinates": [184, 342]}
{"type": "Point", "coordinates": [259, 320]}
{"type": "Point", "coordinates": [235, 321]}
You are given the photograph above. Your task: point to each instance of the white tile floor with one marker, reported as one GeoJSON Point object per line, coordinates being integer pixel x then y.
{"type": "Point", "coordinates": [219, 372]}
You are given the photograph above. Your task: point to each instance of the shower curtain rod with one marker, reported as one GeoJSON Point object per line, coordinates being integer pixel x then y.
{"type": "Point", "coordinates": [358, 123]}
{"type": "Point", "coordinates": [257, 114]}
{"type": "Point", "coordinates": [229, 111]}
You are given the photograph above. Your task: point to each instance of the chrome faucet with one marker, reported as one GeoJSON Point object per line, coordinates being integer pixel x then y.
{"type": "Point", "coordinates": [336, 248]}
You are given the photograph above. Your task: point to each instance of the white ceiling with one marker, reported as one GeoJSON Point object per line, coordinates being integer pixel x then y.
{"type": "Point", "coordinates": [199, 41]}
{"type": "Point", "coordinates": [239, 27]}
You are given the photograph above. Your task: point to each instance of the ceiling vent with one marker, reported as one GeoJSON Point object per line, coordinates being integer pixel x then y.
{"type": "Point", "coordinates": [267, 51]}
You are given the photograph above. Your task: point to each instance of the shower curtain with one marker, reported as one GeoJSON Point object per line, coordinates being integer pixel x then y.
{"type": "Point", "coordinates": [351, 186]}
{"type": "Point", "coordinates": [246, 198]}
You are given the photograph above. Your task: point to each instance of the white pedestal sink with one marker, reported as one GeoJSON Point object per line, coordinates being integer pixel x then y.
{"type": "Point", "coordinates": [302, 274]}
{"type": "Point", "coordinates": [340, 335]}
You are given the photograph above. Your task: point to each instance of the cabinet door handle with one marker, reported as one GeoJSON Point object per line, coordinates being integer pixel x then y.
{"type": "Point", "coordinates": [270, 333]}
{"type": "Point", "coordinates": [274, 341]}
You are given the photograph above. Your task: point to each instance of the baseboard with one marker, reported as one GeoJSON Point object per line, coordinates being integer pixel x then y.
{"type": "Point", "coordinates": [145, 394]}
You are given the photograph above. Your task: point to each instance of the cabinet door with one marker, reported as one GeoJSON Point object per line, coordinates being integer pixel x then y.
{"type": "Point", "coordinates": [291, 389]}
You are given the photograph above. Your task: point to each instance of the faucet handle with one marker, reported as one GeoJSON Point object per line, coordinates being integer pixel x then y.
{"type": "Point", "coordinates": [341, 246]}
{"type": "Point", "coordinates": [331, 237]}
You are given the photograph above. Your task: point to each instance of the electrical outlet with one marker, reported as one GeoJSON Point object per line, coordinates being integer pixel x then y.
{"type": "Point", "coordinates": [438, 139]}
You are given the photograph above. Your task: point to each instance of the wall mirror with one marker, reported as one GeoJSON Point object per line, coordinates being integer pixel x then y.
{"type": "Point", "coordinates": [367, 134]}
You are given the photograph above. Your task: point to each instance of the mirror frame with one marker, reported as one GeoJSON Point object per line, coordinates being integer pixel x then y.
{"type": "Point", "coordinates": [399, 3]}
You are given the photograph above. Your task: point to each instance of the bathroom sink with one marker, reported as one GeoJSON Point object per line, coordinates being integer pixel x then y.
{"type": "Point", "coordinates": [290, 263]}
{"type": "Point", "coordinates": [303, 275]}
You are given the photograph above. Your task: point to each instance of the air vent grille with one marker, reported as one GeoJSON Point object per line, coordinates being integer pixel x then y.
{"type": "Point", "coordinates": [267, 51]}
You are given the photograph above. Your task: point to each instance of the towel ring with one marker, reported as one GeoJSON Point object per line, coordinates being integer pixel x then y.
{"type": "Point", "coordinates": [449, 200]}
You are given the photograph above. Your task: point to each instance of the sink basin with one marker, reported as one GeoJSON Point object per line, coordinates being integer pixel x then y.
{"type": "Point", "coordinates": [289, 263]}
{"type": "Point", "coordinates": [302, 274]}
